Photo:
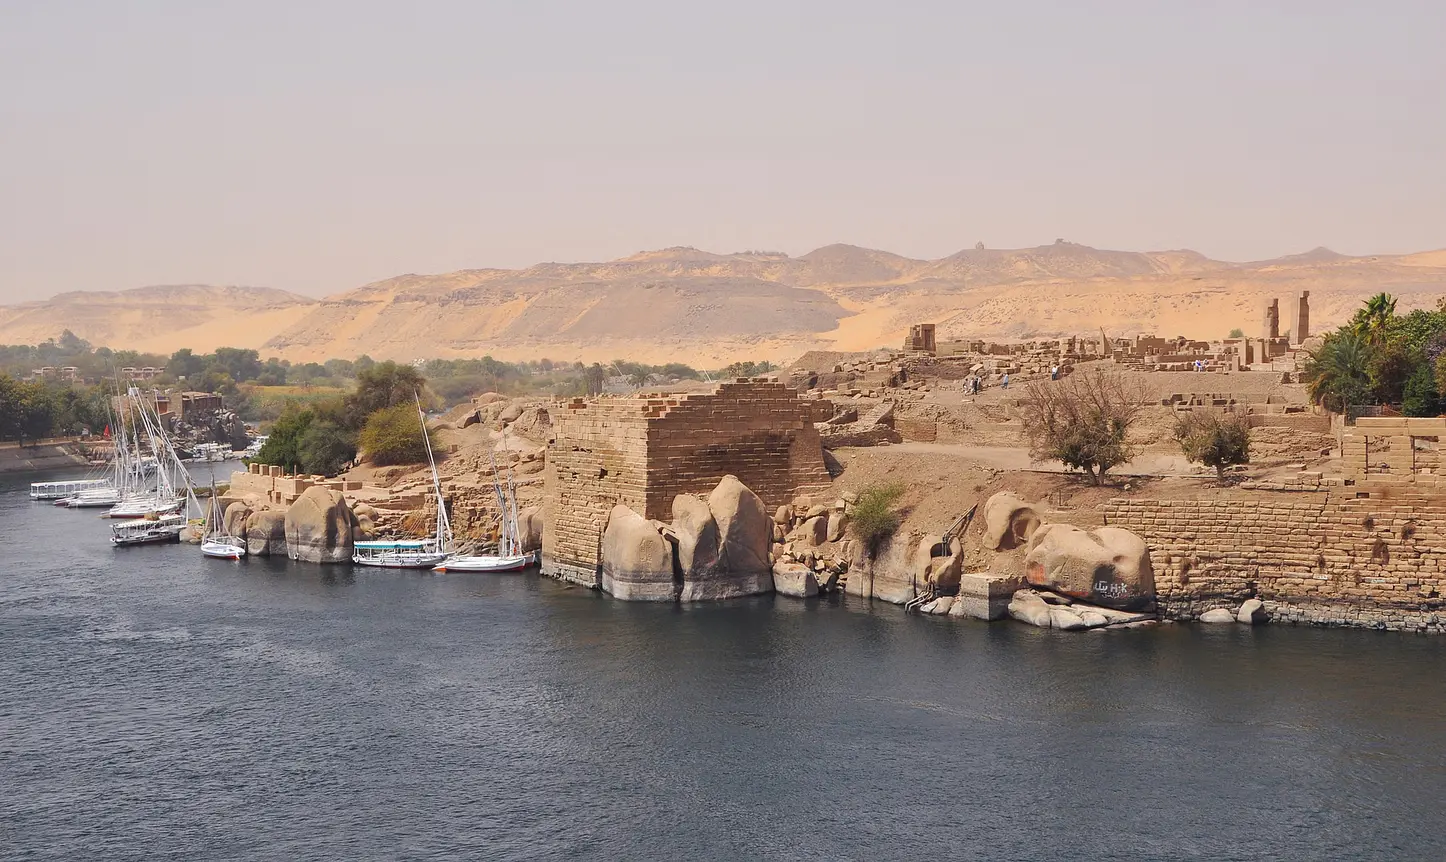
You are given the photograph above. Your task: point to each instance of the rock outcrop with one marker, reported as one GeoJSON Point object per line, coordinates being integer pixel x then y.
{"type": "Point", "coordinates": [1106, 566]}
{"type": "Point", "coordinates": [745, 535]}
{"type": "Point", "coordinates": [320, 527]}
{"type": "Point", "coordinates": [1009, 522]}
{"type": "Point", "coordinates": [637, 561]}
{"type": "Point", "coordinates": [937, 564]}
{"type": "Point", "coordinates": [265, 533]}
{"type": "Point", "coordinates": [233, 521]}
{"type": "Point", "coordinates": [698, 541]}
{"type": "Point", "coordinates": [529, 528]}
{"type": "Point", "coordinates": [794, 579]}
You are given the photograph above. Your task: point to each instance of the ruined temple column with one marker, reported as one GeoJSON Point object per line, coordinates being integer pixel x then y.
{"type": "Point", "coordinates": [1302, 318]}
{"type": "Point", "coordinates": [1270, 326]}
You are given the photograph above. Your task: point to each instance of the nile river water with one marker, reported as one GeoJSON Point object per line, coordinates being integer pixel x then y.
{"type": "Point", "coordinates": [158, 705]}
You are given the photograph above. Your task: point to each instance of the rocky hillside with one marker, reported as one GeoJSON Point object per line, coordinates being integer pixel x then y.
{"type": "Point", "coordinates": [695, 306]}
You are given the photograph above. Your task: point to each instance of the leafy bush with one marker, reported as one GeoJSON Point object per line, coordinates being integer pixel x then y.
{"type": "Point", "coordinates": [1420, 396]}
{"type": "Point", "coordinates": [393, 435]}
{"type": "Point", "coordinates": [875, 518]}
{"type": "Point", "coordinates": [325, 448]}
{"type": "Point", "coordinates": [1215, 441]}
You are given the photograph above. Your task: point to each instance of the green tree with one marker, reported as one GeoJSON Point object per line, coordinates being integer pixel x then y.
{"type": "Point", "coordinates": [381, 386]}
{"type": "Point", "coordinates": [283, 447]}
{"type": "Point", "coordinates": [325, 448]}
{"type": "Point", "coordinates": [1420, 396]}
{"type": "Point", "coordinates": [1215, 441]}
{"type": "Point", "coordinates": [1237, 333]}
{"type": "Point", "coordinates": [596, 378]}
{"type": "Point", "coordinates": [393, 435]}
{"type": "Point", "coordinates": [1373, 321]}
{"type": "Point", "coordinates": [1337, 374]}
{"type": "Point", "coordinates": [184, 363]}
{"type": "Point", "coordinates": [243, 365]}
{"type": "Point", "coordinates": [1388, 367]}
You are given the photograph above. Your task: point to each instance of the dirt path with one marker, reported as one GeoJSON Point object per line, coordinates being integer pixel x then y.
{"type": "Point", "coordinates": [1016, 459]}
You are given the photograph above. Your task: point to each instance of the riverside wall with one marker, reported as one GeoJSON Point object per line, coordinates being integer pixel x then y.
{"type": "Point", "coordinates": [1342, 555]}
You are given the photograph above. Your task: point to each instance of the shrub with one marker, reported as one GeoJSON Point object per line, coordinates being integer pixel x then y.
{"type": "Point", "coordinates": [1215, 441]}
{"type": "Point", "coordinates": [1083, 420]}
{"type": "Point", "coordinates": [1420, 397]}
{"type": "Point", "coordinates": [325, 448]}
{"type": "Point", "coordinates": [393, 435]}
{"type": "Point", "coordinates": [874, 518]}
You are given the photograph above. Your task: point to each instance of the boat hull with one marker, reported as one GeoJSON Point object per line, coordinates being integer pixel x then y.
{"type": "Point", "coordinates": [485, 563]}
{"type": "Point", "coordinates": [401, 560]}
{"type": "Point", "coordinates": [222, 550]}
{"type": "Point", "coordinates": [159, 536]}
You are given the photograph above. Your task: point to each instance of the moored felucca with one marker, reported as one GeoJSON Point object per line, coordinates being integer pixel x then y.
{"type": "Point", "coordinates": [412, 553]}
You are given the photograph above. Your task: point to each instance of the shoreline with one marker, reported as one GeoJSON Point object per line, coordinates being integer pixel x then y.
{"type": "Point", "coordinates": [39, 457]}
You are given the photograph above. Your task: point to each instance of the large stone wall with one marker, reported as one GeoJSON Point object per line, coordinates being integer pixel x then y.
{"type": "Point", "coordinates": [1347, 556]}
{"type": "Point", "coordinates": [642, 452]}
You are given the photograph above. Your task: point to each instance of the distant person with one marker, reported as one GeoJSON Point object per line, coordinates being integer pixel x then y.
{"type": "Point", "coordinates": [1054, 372]}
{"type": "Point", "coordinates": [1004, 384]}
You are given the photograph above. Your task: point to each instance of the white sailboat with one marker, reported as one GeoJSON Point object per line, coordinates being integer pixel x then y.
{"type": "Point", "coordinates": [412, 553]}
{"type": "Point", "coordinates": [509, 556]}
{"type": "Point", "coordinates": [216, 543]}
{"type": "Point", "coordinates": [165, 498]}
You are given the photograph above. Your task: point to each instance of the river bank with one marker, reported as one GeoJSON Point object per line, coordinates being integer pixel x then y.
{"type": "Point", "coordinates": [42, 456]}
{"type": "Point", "coordinates": [156, 704]}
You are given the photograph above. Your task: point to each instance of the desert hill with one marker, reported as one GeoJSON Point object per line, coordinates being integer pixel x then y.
{"type": "Point", "coordinates": [157, 319]}
{"type": "Point", "coordinates": [706, 308]}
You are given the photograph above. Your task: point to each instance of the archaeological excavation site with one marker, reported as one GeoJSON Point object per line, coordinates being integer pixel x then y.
{"type": "Point", "coordinates": [908, 476]}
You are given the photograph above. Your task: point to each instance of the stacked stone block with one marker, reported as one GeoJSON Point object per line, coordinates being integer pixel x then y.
{"type": "Point", "coordinates": [642, 452]}
{"type": "Point", "coordinates": [1332, 558]}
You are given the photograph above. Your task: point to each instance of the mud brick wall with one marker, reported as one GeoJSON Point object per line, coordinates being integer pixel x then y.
{"type": "Point", "coordinates": [922, 429]}
{"type": "Point", "coordinates": [1327, 558]}
{"type": "Point", "coordinates": [643, 452]}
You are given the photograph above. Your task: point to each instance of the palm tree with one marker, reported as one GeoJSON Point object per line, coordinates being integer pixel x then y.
{"type": "Point", "coordinates": [1336, 374]}
{"type": "Point", "coordinates": [1372, 321]}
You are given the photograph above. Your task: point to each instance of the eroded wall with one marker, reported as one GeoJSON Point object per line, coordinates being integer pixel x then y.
{"type": "Point", "coordinates": [1348, 556]}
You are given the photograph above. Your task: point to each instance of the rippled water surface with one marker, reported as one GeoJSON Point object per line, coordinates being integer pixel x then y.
{"type": "Point", "coordinates": [157, 705]}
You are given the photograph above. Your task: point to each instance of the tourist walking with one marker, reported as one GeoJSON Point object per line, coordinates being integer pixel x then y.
{"type": "Point", "coordinates": [1005, 383]}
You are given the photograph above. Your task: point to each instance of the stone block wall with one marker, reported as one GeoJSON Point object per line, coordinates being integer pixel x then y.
{"type": "Point", "coordinates": [597, 458]}
{"type": "Point", "coordinates": [1347, 556]}
{"type": "Point", "coordinates": [1394, 449]}
{"type": "Point", "coordinates": [644, 451]}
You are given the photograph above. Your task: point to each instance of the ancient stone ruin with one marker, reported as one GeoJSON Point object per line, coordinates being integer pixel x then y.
{"type": "Point", "coordinates": [644, 452]}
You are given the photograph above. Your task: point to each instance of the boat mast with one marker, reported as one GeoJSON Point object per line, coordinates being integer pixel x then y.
{"type": "Point", "coordinates": [444, 526]}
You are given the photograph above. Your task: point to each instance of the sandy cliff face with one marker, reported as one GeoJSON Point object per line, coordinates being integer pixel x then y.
{"type": "Point", "coordinates": [695, 306]}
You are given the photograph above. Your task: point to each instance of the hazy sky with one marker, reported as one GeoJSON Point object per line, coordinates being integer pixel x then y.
{"type": "Point", "coordinates": [315, 146]}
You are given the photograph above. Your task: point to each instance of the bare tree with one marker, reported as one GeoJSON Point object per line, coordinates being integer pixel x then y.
{"type": "Point", "coordinates": [1083, 420]}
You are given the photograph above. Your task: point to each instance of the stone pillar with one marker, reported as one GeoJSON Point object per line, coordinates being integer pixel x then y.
{"type": "Point", "coordinates": [1302, 318]}
{"type": "Point", "coordinates": [1270, 326]}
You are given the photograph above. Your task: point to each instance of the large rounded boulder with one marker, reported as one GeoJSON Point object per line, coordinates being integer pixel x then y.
{"type": "Point", "coordinates": [233, 520]}
{"type": "Point", "coordinates": [1106, 566]}
{"type": "Point", "coordinates": [637, 561]}
{"type": "Point", "coordinates": [698, 542]}
{"type": "Point", "coordinates": [1009, 522]}
{"type": "Point", "coordinates": [320, 527]}
{"type": "Point", "coordinates": [265, 533]}
{"type": "Point", "coordinates": [745, 537]}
